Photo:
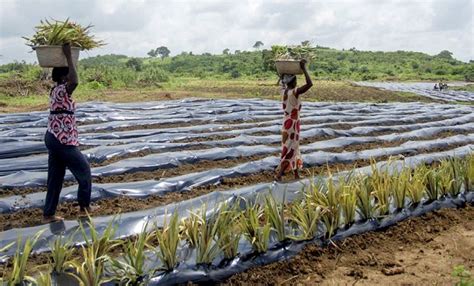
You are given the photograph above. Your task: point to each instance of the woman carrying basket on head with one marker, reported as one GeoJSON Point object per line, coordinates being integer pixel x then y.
{"type": "Point", "coordinates": [61, 139]}
{"type": "Point", "coordinates": [291, 103]}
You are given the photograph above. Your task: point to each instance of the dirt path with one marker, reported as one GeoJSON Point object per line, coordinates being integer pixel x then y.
{"type": "Point", "coordinates": [419, 251]}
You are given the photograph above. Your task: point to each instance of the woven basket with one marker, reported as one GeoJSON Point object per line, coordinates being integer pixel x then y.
{"type": "Point", "coordinates": [53, 56]}
{"type": "Point", "coordinates": [288, 67]}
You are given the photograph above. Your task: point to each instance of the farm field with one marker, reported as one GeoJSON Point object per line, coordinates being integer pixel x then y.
{"type": "Point", "coordinates": [182, 88]}
{"type": "Point", "coordinates": [153, 157]}
{"type": "Point", "coordinates": [231, 143]}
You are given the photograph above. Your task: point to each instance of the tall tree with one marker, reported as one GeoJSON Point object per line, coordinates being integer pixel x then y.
{"type": "Point", "coordinates": [152, 53]}
{"type": "Point", "coordinates": [257, 45]}
{"type": "Point", "coordinates": [135, 64]}
{"type": "Point", "coordinates": [225, 51]}
{"type": "Point", "coordinates": [445, 55]}
{"type": "Point", "coordinates": [306, 43]}
{"type": "Point", "coordinates": [163, 52]}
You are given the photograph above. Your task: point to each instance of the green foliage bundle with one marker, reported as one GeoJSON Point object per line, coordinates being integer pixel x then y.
{"type": "Point", "coordinates": [62, 32]}
{"type": "Point", "coordinates": [294, 52]}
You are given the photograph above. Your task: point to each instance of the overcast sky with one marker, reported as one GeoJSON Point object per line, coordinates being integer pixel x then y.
{"type": "Point", "coordinates": [134, 27]}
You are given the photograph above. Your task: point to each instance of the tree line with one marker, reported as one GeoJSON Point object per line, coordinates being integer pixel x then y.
{"type": "Point", "coordinates": [352, 64]}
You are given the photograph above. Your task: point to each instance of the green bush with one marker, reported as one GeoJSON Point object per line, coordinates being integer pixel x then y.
{"type": "Point", "coordinates": [35, 73]}
{"type": "Point", "coordinates": [135, 64]}
{"type": "Point", "coordinates": [235, 74]}
{"type": "Point", "coordinates": [469, 72]}
{"type": "Point", "coordinates": [94, 85]}
{"type": "Point", "coordinates": [153, 75]}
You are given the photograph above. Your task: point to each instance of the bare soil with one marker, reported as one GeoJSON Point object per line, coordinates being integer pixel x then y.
{"type": "Point", "coordinates": [326, 91]}
{"type": "Point", "coordinates": [145, 153]}
{"type": "Point", "coordinates": [69, 210]}
{"type": "Point", "coordinates": [419, 251]}
{"type": "Point", "coordinates": [186, 124]}
{"type": "Point", "coordinates": [111, 206]}
{"type": "Point", "coordinates": [204, 139]}
{"type": "Point", "coordinates": [181, 170]}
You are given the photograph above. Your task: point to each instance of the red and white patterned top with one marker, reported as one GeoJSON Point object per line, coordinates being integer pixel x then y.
{"type": "Point", "coordinates": [62, 126]}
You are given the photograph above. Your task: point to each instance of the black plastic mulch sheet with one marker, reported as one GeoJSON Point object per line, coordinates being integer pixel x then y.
{"type": "Point", "coordinates": [21, 134]}
{"type": "Point", "coordinates": [146, 163]}
{"type": "Point", "coordinates": [13, 149]}
{"type": "Point", "coordinates": [110, 116]}
{"type": "Point", "coordinates": [35, 163]}
{"type": "Point", "coordinates": [424, 89]}
{"type": "Point", "coordinates": [215, 176]}
{"type": "Point", "coordinates": [132, 223]}
{"type": "Point", "coordinates": [21, 138]}
{"type": "Point", "coordinates": [316, 119]}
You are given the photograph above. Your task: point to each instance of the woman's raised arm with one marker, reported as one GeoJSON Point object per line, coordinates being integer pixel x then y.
{"type": "Point", "coordinates": [72, 77]}
{"type": "Point", "coordinates": [309, 83]}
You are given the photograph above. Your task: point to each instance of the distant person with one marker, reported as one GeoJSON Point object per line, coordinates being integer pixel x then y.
{"type": "Point", "coordinates": [440, 85]}
{"type": "Point", "coordinates": [436, 86]}
{"type": "Point", "coordinates": [61, 139]}
{"type": "Point", "coordinates": [291, 101]}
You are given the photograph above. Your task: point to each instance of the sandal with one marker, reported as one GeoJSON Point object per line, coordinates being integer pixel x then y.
{"type": "Point", "coordinates": [86, 211]}
{"type": "Point", "coordinates": [51, 218]}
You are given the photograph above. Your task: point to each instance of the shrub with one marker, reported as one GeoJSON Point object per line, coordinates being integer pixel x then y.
{"type": "Point", "coordinates": [135, 64]}
{"type": "Point", "coordinates": [153, 75]}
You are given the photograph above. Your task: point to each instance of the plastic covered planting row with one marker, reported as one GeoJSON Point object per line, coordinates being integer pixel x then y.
{"type": "Point", "coordinates": [424, 89]}
{"type": "Point", "coordinates": [131, 223]}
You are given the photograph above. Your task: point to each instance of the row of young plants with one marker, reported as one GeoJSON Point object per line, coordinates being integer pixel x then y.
{"type": "Point", "coordinates": [325, 207]}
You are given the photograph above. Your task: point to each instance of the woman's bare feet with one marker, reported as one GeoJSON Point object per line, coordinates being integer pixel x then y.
{"type": "Point", "coordinates": [278, 175]}
{"type": "Point", "coordinates": [297, 175]}
{"type": "Point", "coordinates": [51, 218]}
{"type": "Point", "coordinates": [277, 178]}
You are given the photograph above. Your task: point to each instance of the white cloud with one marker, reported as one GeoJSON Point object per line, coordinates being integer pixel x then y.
{"type": "Point", "coordinates": [133, 27]}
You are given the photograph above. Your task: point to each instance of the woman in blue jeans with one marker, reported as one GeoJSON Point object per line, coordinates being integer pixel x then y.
{"type": "Point", "coordinates": [61, 139]}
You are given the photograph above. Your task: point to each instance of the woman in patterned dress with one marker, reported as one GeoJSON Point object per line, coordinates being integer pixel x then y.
{"type": "Point", "coordinates": [61, 139]}
{"type": "Point", "coordinates": [291, 101]}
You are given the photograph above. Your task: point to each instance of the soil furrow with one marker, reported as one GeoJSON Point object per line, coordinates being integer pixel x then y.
{"type": "Point", "coordinates": [181, 124]}
{"type": "Point", "coordinates": [123, 204]}
{"type": "Point", "coordinates": [69, 210]}
{"type": "Point", "coordinates": [419, 251]}
{"type": "Point", "coordinates": [207, 164]}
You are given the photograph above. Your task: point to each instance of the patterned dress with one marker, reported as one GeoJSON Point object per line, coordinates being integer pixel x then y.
{"type": "Point", "coordinates": [62, 125]}
{"type": "Point", "coordinates": [290, 141]}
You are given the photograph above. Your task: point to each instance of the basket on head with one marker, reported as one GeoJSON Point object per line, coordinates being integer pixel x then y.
{"type": "Point", "coordinates": [53, 56]}
{"type": "Point", "coordinates": [288, 67]}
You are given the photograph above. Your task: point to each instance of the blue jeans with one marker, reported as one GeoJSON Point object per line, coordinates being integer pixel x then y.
{"type": "Point", "coordinates": [60, 157]}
